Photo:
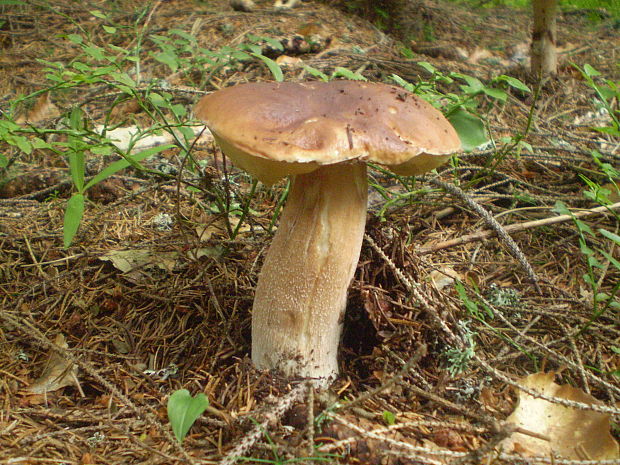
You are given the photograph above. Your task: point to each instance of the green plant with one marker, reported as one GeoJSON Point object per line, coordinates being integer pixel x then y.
{"type": "Point", "coordinates": [461, 108]}
{"type": "Point", "coordinates": [184, 410]}
{"type": "Point", "coordinates": [595, 270]}
{"type": "Point", "coordinates": [606, 93]}
{"type": "Point", "coordinates": [109, 66]}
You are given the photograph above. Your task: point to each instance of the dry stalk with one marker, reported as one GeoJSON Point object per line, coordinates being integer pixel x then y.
{"type": "Point", "coordinates": [282, 405]}
{"type": "Point", "coordinates": [494, 224]}
{"type": "Point", "coordinates": [485, 234]}
{"type": "Point", "coordinates": [544, 348]}
{"type": "Point", "coordinates": [538, 395]}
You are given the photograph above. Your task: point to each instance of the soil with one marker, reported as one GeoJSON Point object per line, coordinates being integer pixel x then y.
{"type": "Point", "coordinates": [154, 295]}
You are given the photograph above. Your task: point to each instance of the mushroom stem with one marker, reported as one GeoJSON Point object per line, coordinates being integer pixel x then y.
{"type": "Point", "coordinates": [301, 293]}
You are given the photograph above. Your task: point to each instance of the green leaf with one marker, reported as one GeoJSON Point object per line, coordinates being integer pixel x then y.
{"type": "Point", "coordinates": [470, 129]}
{"type": "Point", "coordinates": [339, 71]}
{"type": "Point", "coordinates": [98, 14]}
{"type": "Point", "coordinates": [611, 259]}
{"type": "Point", "coordinates": [474, 83]}
{"type": "Point", "coordinates": [272, 65]}
{"type": "Point", "coordinates": [561, 208]}
{"type": "Point", "coordinates": [23, 144]}
{"type": "Point", "coordinates": [514, 82]}
{"type": "Point", "coordinates": [168, 58]}
{"type": "Point", "coordinates": [4, 161]}
{"type": "Point", "coordinates": [183, 410]}
{"type": "Point", "coordinates": [274, 43]}
{"type": "Point", "coordinates": [497, 94]}
{"type": "Point", "coordinates": [77, 168]}
{"type": "Point", "coordinates": [109, 29]}
{"type": "Point", "coordinates": [95, 52]}
{"type": "Point", "coordinates": [75, 38]}
{"type": "Point", "coordinates": [389, 417]}
{"type": "Point", "coordinates": [427, 66]}
{"type": "Point", "coordinates": [610, 236]}
{"type": "Point", "coordinates": [401, 82]}
{"type": "Point", "coordinates": [73, 218]}
{"type": "Point", "coordinates": [123, 78]}
{"type": "Point", "coordinates": [590, 71]}
{"type": "Point", "coordinates": [124, 163]}
{"type": "Point", "coordinates": [316, 73]}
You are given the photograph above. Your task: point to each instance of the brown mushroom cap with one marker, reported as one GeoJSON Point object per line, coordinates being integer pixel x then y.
{"type": "Point", "coordinates": [260, 125]}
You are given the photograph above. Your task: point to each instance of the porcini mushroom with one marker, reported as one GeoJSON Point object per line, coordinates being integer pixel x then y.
{"type": "Point", "coordinates": [321, 134]}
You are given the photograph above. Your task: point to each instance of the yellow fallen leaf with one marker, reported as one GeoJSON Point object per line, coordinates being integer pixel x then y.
{"type": "Point", "coordinates": [573, 433]}
{"type": "Point", "coordinates": [57, 372]}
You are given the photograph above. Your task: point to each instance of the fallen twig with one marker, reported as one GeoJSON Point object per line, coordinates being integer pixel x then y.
{"type": "Point", "coordinates": [481, 235]}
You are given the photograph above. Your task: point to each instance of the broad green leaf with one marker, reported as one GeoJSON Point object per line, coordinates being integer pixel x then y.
{"type": "Point", "coordinates": [561, 208]}
{"type": "Point", "coordinates": [124, 163]}
{"type": "Point", "coordinates": [514, 82]}
{"type": "Point", "coordinates": [274, 43]}
{"type": "Point", "coordinates": [469, 128]}
{"type": "Point", "coordinates": [590, 71]}
{"type": "Point", "coordinates": [389, 418]}
{"type": "Point", "coordinates": [73, 218]}
{"type": "Point", "coordinates": [4, 161]}
{"type": "Point", "coordinates": [474, 84]}
{"type": "Point", "coordinates": [496, 93]}
{"type": "Point", "coordinates": [168, 58]}
{"type": "Point", "coordinates": [183, 410]}
{"type": "Point", "coordinates": [123, 78]}
{"type": "Point", "coordinates": [272, 65]}
{"type": "Point", "coordinates": [77, 168]}
{"type": "Point", "coordinates": [95, 52]}
{"type": "Point", "coordinates": [109, 29]}
{"type": "Point", "coordinates": [98, 14]}
{"type": "Point", "coordinates": [23, 144]}
{"type": "Point", "coordinates": [75, 38]}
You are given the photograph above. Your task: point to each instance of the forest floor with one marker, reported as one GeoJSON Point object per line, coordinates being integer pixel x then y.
{"type": "Point", "coordinates": [153, 295]}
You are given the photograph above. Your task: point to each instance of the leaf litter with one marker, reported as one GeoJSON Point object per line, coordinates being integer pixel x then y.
{"type": "Point", "coordinates": [176, 309]}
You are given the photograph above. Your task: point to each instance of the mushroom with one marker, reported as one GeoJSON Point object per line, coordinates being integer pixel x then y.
{"type": "Point", "coordinates": [321, 134]}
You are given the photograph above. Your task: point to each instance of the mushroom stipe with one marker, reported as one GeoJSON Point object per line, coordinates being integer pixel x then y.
{"type": "Point", "coordinates": [321, 134]}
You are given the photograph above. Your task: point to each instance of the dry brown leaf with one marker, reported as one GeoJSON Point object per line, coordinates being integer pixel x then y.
{"type": "Point", "coordinates": [285, 60]}
{"type": "Point", "coordinates": [573, 433]}
{"type": "Point", "coordinates": [136, 262]}
{"type": "Point", "coordinates": [57, 373]}
{"type": "Point", "coordinates": [443, 277]}
{"type": "Point", "coordinates": [43, 109]}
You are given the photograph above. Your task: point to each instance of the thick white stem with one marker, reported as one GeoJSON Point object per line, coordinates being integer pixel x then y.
{"type": "Point", "coordinates": [302, 289]}
{"type": "Point", "coordinates": [544, 54]}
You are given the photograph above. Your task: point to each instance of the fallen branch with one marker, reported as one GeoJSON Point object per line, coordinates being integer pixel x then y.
{"type": "Point", "coordinates": [480, 235]}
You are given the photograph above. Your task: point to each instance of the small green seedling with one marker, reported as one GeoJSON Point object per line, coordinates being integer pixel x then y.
{"type": "Point", "coordinates": [183, 410]}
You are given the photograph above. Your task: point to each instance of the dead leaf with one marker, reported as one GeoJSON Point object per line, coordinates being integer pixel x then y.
{"type": "Point", "coordinates": [443, 277]}
{"type": "Point", "coordinates": [135, 263]}
{"type": "Point", "coordinates": [479, 54]}
{"type": "Point", "coordinates": [573, 433]}
{"type": "Point", "coordinates": [57, 373]}
{"type": "Point", "coordinates": [43, 109]}
{"type": "Point", "coordinates": [285, 60]}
